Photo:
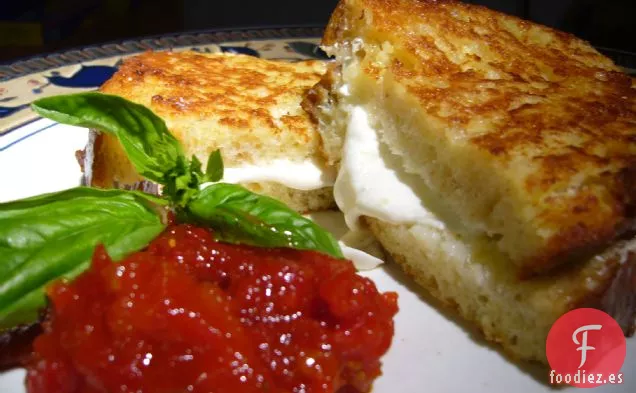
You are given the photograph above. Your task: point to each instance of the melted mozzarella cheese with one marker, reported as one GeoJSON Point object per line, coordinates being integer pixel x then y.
{"type": "Point", "coordinates": [305, 175]}
{"type": "Point", "coordinates": [371, 183]}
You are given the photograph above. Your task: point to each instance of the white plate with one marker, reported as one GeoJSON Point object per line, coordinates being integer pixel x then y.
{"type": "Point", "coordinates": [432, 350]}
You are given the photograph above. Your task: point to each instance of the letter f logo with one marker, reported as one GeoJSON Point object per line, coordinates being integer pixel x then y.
{"type": "Point", "coordinates": [573, 330]}
{"type": "Point", "coordinates": [583, 344]}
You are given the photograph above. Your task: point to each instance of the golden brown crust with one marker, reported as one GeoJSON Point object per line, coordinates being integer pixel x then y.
{"type": "Point", "coordinates": [548, 114]}
{"type": "Point", "coordinates": [247, 106]}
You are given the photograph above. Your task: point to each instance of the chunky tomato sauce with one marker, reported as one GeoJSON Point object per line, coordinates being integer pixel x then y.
{"type": "Point", "coordinates": [192, 315]}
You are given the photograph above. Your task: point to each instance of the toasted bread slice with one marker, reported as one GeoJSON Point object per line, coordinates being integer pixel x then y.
{"type": "Point", "coordinates": [484, 288]}
{"type": "Point", "coordinates": [245, 106]}
{"type": "Point", "coordinates": [528, 133]}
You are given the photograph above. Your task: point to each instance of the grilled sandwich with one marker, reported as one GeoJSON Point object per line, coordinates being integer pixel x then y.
{"type": "Point", "coordinates": [494, 159]}
{"type": "Point", "coordinates": [526, 132]}
{"type": "Point", "coordinates": [245, 106]}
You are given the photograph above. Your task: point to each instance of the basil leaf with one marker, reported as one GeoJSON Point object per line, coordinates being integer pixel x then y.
{"type": "Point", "coordinates": [53, 235]}
{"type": "Point", "coordinates": [239, 216]}
{"type": "Point", "coordinates": [214, 168]}
{"type": "Point", "coordinates": [195, 166]}
{"type": "Point", "coordinates": [155, 153]}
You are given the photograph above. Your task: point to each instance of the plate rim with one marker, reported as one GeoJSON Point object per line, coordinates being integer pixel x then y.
{"type": "Point", "coordinates": [16, 68]}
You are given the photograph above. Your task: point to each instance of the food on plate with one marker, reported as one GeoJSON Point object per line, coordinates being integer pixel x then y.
{"type": "Point", "coordinates": [192, 314]}
{"type": "Point", "coordinates": [493, 158]}
{"type": "Point", "coordinates": [246, 106]}
{"type": "Point", "coordinates": [238, 293]}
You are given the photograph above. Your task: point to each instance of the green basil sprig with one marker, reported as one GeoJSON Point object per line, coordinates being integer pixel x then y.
{"type": "Point", "coordinates": [241, 216]}
{"type": "Point", "coordinates": [54, 235]}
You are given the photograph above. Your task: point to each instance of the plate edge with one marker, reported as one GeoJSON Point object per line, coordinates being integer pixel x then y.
{"type": "Point", "coordinates": [44, 62]}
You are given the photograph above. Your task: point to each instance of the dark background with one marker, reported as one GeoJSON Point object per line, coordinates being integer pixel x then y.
{"type": "Point", "coordinates": [29, 27]}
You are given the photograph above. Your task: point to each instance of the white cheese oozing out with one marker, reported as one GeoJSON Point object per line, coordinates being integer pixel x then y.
{"type": "Point", "coordinates": [305, 175]}
{"type": "Point", "coordinates": [370, 181]}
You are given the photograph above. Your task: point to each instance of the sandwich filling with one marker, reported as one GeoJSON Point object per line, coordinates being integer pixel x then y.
{"type": "Point", "coordinates": [370, 182]}
{"type": "Point", "coordinates": [303, 175]}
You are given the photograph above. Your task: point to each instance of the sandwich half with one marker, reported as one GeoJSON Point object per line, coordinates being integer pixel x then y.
{"type": "Point", "coordinates": [494, 159]}
{"type": "Point", "coordinates": [526, 132]}
{"type": "Point", "coordinates": [247, 107]}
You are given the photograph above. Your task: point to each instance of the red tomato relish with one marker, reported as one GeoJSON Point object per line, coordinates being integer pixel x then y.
{"type": "Point", "coordinates": [190, 314]}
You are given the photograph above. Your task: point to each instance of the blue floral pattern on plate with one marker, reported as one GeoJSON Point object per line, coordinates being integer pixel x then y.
{"type": "Point", "coordinates": [87, 76]}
